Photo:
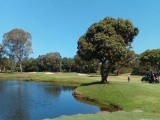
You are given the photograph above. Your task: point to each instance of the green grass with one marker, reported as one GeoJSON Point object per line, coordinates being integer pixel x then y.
{"type": "Point", "coordinates": [113, 116]}
{"type": "Point", "coordinates": [127, 96]}
{"type": "Point", "coordinates": [56, 77]}
{"type": "Point", "coordinates": [133, 96]}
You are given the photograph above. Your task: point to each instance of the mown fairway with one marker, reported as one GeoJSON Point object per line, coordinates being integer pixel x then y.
{"type": "Point", "coordinates": [47, 76]}
{"type": "Point", "coordinates": [137, 99]}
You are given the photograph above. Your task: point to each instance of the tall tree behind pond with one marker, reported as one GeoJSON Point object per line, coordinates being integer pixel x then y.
{"type": "Point", "coordinates": [17, 45]}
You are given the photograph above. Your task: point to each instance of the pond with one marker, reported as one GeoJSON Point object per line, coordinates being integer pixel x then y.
{"type": "Point", "coordinates": [22, 100]}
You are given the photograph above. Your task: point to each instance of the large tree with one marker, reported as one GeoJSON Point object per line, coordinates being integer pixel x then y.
{"type": "Point", "coordinates": [107, 41]}
{"type": "Point", "coordinates": [17, 44]}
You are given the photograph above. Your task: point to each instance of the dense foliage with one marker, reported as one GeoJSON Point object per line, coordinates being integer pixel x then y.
{"type": "Point", "coordinates": [151, 58]}
{"type": "Point", "coordinates": [127, 64]}
{"type": "Point", "coordinates": [132, 62]}
{"type": "Point", "coordinates": [49, 62]}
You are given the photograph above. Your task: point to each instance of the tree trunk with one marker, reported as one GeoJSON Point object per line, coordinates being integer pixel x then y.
{"type": "Point", "coordinates": [81, 71]}
{"type": "Point", "coordinates": [12, 65]}
{"type": "Point", "coordinates": [70, 67]}
{"type": "Point", "coordinates": [60, 65]}
{"type": "Point", "coordinates": [20, 65]}
{"type": "Point", "coordinates": [89, 70]}
{"type": "Point", "coordinates": [105, 74]}
{"type": "Point", "coordinates": [118, 70]}
{"type": "Point", "coordinates": [4, 68]}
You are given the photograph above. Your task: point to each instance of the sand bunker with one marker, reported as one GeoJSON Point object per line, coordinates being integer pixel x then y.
{"type": "Point", "coordinates": [81, 74]}
{"type": "Point", "coordinates": [49, 73]}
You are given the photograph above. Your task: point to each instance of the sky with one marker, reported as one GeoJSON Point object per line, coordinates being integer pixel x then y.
{"type": "Point", "coordinates": [56, 25]}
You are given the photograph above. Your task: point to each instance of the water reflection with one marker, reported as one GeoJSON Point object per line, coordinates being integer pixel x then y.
{"type": "Point", "coordinates": [13, 103]}
{"type": "Point", "coordinates": [21, 100]}
{"type": "Point", "coordinates": [56, 89]}
{"type": "Point", "coordinates": [17, 114]}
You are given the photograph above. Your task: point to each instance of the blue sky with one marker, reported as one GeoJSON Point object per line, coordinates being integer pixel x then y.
{"type": "Point", "coordinates": [56, 25]}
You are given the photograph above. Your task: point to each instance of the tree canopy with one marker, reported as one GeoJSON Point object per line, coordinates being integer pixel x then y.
{"type": "Point", "coordinates": [86, 66]}
{"type": "Point", "coordinates": [50, 62]}
{"type": "Point", "coordinates": [128, 62]}
{"type": "Point", "coordinates": [107, 41]}
{"type": "Point", "coordinates": [152, 58]}
{"type": "Point", "coordinates": [17, 44]}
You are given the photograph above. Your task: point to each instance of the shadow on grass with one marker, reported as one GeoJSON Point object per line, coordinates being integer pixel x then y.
{"type": "Point", "coordinates": [93, 76]}
{"type": "Point", "coordinates": [100, 75]}
{"type": "Point", "coordinates": [93, 83]}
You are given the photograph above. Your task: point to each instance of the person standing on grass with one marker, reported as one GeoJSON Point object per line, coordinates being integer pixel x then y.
{"type": "Point", "coordinates": [129, 77]}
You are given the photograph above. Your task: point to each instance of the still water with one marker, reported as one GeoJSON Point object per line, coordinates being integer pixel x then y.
{"type": "Point", "coordinates": [22, 100]}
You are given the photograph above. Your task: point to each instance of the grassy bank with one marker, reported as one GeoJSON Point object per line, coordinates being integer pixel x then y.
{"type": "Point", "coordinates": [127, 96]}
{"type": "Point", "coordinates": [51, 77]}
{"type": "Point", "coordinates": [137, 99]}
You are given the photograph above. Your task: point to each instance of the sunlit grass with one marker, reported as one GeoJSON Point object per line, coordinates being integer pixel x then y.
{"type": "Point", "coordinates": [56, 77]}
{"type": "Point", "coordinates": [127, 96]}
{"type": "Point", "coordinates": [113, 116]}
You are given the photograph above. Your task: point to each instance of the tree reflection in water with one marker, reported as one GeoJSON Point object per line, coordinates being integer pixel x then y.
{"type": "Point", "coordinates": [22, 100]}
{"type": "Point", "coordinates": [12, 103]}
{"type": "Point", "coordinates": [56, 89]}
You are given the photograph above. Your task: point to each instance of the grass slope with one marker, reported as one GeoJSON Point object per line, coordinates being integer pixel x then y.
{"type": "Point", "coordinates": [127, 96]}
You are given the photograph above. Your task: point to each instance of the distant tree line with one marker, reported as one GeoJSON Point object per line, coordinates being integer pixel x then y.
{"type": "Point", "coordinates": [134, 63]}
